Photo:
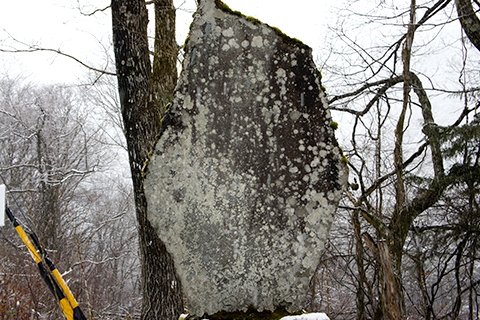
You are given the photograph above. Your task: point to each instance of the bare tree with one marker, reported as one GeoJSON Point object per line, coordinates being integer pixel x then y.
{"type": "Point", "coordinates": [395, 141]}
{"type": "Point", "coordinates": [47, 151]}
{"type": "Point", "coordinates": [54, 158]}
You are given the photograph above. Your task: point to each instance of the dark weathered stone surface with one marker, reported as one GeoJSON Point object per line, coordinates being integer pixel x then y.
{"type": "Point", "coordinates": [246, 176]}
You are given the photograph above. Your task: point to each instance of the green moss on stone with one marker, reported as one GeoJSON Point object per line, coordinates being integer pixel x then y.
{"type": "Point", "coordinates": [185, 43]}
{"type": "Point", "coordinates": [188, 36]}
{"type": "Point", "coordinates": [150, 154]}
{"type": "Point", "coordinates": [288, 39]}
{"type": "Point", "coordinates": [334, 125]}
{"type": "Point", "coordinates": [145, 165]}
{"type": "Point", "coordinates": [344, 158]}
{"type": "Point", "coordinates": [320, 76]}
{"type": "Point", "coordinates": [222, 6]}
{"type": "Point", "coordinates": [253, 20]}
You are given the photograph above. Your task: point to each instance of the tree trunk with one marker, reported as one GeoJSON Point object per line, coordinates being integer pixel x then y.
{"type": "Point", "coordinates": [469, 20]}
{"type": "Point", "coordinates": [162, 293]}
{"type": "Point", "coordinates": [165, 56]}
{"type": "Point", "coordinates": [392, 293]}
{"type": "Point", "coordinates": [390, 252]}
{"type": "Point", "coordinates": [48, 218]}
{"type": "Point", "coordinates": [359, 259]}
{"type": "Point", "coordinates": [394, 299]}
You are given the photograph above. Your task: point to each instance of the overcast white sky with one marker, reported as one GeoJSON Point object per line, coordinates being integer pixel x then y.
{"type": "Point", "coordinates": [58, 24]}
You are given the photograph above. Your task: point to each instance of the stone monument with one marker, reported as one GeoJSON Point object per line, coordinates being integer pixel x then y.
{"type": "Point", "coordinates": [246, 175]}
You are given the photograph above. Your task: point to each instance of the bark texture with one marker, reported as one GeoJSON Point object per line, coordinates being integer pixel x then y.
{"type": "Point", "coordinates": [393, 302]}
{"type": "Point", "coordinates": [162, 294]}
{"type": "Point", "coordinates": [165, 54]}
{"type": "Point", "coordinates": [359, 258]}
{"type": "Point", "coordinates": [469, 20]}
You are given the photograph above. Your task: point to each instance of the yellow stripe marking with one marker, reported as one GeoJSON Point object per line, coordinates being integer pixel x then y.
{"type": "Point", "coordinates": [66, 308]}
{"type": "Point", "coordinates": [29, 244]}
{"type": "Point", "coordinates": [64, 303]}
{"type": "Point", "coordinates": [65, 289]}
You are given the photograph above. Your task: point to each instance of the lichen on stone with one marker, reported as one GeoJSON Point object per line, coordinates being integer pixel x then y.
{"type": "Point", "coordinates": [222, 6]}
{"type": "Point", "coordinates": [246, 174]}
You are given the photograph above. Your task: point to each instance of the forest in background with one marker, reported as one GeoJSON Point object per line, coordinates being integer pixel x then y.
{"type": "Point", "coordinates": [63, 160]}
{"type": "Point", "coordinates": [402, 81]}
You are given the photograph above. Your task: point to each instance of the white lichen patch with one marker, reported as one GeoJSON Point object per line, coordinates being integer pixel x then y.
{"type": "Point", "coordinates": [228, 32]}
{"type": "Point", "coordinates": [257, 41]}
{"type": "Point", "coordinates": [233, 43]}
{"type": "Point", "coordinates": [246, 176]}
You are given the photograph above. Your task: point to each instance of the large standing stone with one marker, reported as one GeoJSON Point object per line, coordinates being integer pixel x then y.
{"type": "Point", "coordinates": [246, 176]}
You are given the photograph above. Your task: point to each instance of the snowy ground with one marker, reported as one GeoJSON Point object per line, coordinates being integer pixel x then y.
{"type": "Point", "coordinates": [308, 316]}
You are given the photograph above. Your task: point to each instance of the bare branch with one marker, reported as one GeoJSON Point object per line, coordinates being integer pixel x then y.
{"type": "Point", "coordinates": [385, 82]}
{"type": "Point", "coordinates": [35, 48]}
{"type": "Point", "coordinates": [374, 220]}
{"type": "Point", "coordinates": [94, 12]}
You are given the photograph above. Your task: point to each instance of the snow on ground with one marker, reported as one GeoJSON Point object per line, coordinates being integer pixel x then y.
{"type": "Point", "coordinates": [308, 316]}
